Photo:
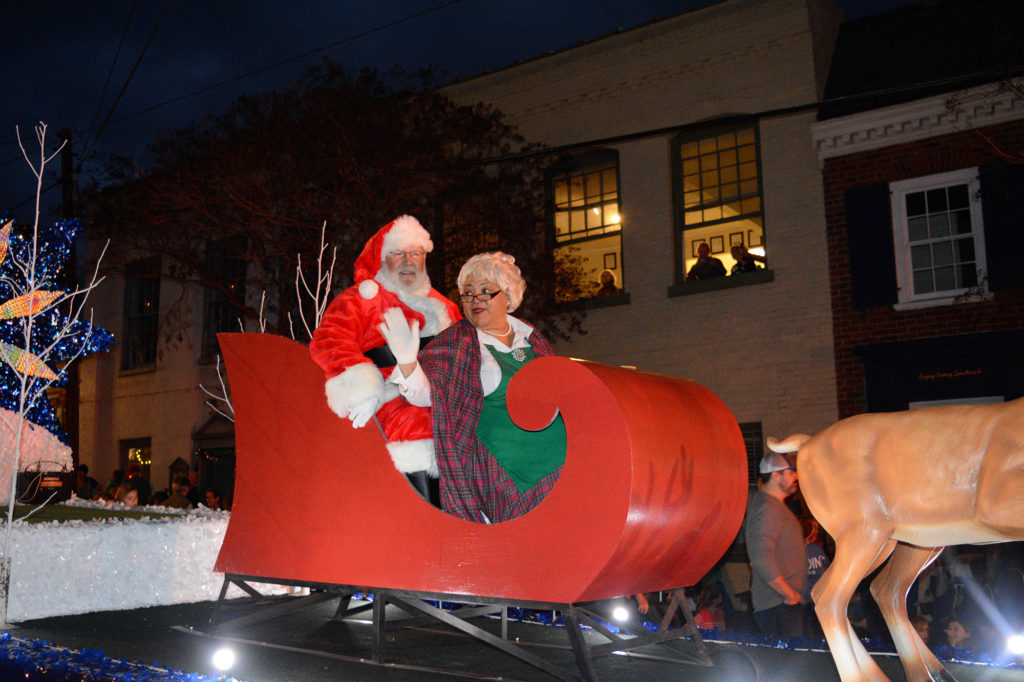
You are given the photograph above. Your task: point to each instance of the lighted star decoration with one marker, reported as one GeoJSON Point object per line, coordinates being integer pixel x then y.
{"type": "Point", "coordinates": [18, 300]}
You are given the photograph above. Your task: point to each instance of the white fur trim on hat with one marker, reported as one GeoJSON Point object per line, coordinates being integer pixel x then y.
{"type": "Point", "coordinates": [404, 233]}
{"type": "Point", "coordinates": [414, 455]}
{"type": "Point", "coordinates": [368, 289]}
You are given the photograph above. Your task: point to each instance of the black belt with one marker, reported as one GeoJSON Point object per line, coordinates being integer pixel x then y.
{"type": "Point", "coordinates": [383, 357]}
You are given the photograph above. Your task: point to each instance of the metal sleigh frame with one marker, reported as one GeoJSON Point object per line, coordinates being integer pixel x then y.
{"type": "Point", "coordinates": [652, 493]}
{"type": "Point", "coordinates": [575, 618]}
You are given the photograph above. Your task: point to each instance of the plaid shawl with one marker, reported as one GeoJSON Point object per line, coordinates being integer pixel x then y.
{"type": "Point", "coordinates": [472, 483]}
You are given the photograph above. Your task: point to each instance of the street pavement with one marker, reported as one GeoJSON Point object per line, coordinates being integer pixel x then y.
{"type": "Point", "coordinates": [308, 644]}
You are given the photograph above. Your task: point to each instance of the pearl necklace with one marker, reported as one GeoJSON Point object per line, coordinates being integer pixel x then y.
{"type": "Point", "coordinates": [517, 353]}
{"type": "Point", "coordinates": [502, 335]}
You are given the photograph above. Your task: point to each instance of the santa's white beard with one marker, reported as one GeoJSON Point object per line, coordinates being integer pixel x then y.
{"type": "Point", "coordinates": [419, 287]}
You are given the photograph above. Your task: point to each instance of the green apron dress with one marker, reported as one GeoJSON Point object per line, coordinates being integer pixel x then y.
{"type": "Point", "coordinates": [526, 456]}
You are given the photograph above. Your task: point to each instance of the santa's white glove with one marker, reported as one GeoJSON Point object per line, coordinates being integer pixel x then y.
{"type": "Point", "coordinates": [361, 413]}
{"type": "Point", "coordinates": [403, 340]}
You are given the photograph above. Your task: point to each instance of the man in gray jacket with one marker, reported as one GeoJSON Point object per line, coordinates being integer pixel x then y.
{"type": "Point", "coordinates": [778, 557]}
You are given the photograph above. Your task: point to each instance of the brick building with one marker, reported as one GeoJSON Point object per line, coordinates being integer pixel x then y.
{"type": "Point", "coordinates": [921, 145]}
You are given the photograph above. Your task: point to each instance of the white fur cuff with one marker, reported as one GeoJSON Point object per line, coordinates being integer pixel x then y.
{"type": "Point", "coordinates": [414, 455]}
{"type": "Point", "coordinates": [355, 385]}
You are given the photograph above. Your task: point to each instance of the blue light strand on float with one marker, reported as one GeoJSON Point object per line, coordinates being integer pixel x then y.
{"type": "Point", "coordinates": [53, 251]}
{"type": "Point", "coordinates": [38, 660]}
{"type": "Point", "coordinates": [28, 659]}
{"type": "Point", "coordinates": [873, 645]}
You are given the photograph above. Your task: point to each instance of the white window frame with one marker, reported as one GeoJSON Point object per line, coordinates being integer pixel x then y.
{"type": "Point", "coordinates": [901, 238]}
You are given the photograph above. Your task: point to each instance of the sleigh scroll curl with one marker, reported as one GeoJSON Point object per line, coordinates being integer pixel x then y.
{"type": "Point", "coordinates": [652, 492]}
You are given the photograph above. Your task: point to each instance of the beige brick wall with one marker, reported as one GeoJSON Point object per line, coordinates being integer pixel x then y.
{"type": "Point", "coordinates": [741, 56]}
{"type": "Point", "coordinates": [766, 349]}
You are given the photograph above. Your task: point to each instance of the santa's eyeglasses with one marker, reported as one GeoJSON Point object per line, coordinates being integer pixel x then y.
{"type": "Point", "coordinates": [411, 255]}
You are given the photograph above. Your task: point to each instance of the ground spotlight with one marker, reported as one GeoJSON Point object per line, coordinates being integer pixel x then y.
{"type": "Point", "coordinates": [1015, 644]}
{"type": "Point", "coordinates": [620, 613]}
{"type": "Point", "coordinates": [223, 658]}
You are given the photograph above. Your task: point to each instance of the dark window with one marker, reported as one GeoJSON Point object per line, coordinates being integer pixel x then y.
{"type": "Point", "coordinates": [939, 236]}
{"type": "Point", "coordinates": [753, 439]}
{"type": "Point", "coordinates": [226, 264]}
{"type": "Point", "coordinates": [141, 313]}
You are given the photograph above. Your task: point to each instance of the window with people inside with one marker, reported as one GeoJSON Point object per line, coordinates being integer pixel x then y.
{"type": "Point", "coordinates": [719, 203]}
{"type": "Point", "coordinates": [939, 245]}
{"type": "Point", "coordinates": [585, 212]}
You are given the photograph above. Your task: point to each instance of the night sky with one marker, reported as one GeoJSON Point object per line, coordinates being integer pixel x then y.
{"type": "Point", "coordinates": [66, 62]}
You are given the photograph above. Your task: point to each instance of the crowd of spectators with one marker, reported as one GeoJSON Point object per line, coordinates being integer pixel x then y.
{"type": "Point", "coordinates": [971, 598]}
{"type": "Point", "coordinates": [134, 489]}
{"type": "Point", "coordinates": [965, 604]}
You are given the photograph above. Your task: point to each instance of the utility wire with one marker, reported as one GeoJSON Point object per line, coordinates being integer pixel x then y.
{"type": "Point", "coordinates": [289, 60]}
{"type": "Point", "coordinates": [110, 73]}
{"type": "Point", "coordinates": [235, 79]}
{"type": "Point", "coordinates": [961, 81]}
{"type": "Point", "coordinates": [138, 61]}
{"type": "Point", "coordinates": [268, 67]}
{"type": "Point", "coordinates": [135, 67]}
{"type": "Point", "coordinates": [33, 197]}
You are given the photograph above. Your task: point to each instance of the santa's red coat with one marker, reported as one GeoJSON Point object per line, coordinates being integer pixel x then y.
{"type": "Point", "coordinates": [349, 328]}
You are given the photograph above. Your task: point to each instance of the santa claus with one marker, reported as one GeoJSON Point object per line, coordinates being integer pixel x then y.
{"type": "Point", "coordinates": [389, 273]}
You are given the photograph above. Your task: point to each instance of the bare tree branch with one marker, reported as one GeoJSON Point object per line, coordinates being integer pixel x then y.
{"type": "Point", "coordinates": [29, 364]}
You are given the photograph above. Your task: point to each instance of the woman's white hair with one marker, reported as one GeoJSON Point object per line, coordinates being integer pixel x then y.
{"type": "Point", "coordinates": [499, 268]}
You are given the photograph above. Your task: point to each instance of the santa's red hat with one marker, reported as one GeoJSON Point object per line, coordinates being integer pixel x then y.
{"type": "Point", "coordinates": [404, 232]}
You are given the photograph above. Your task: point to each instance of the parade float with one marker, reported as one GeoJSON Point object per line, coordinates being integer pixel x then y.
{"type": "Point", "coordinates": [652, 493]}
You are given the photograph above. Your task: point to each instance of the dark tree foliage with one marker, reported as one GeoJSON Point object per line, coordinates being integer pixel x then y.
{"type": "Point", "coordinates": [343, 150]}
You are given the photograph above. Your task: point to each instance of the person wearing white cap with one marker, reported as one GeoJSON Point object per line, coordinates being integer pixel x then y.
{"type": "Point", "coordinates": [390, 273]}
{"type": "Point", "coordinates": [775, 547]}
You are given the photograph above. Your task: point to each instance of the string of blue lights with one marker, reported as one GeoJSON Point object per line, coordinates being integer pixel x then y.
{"type": "Point", "coordinates": [53, 250]}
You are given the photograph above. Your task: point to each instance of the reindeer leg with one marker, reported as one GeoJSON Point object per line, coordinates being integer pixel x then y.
{"type": "Point", "coordinates": [890, 591]}
{"type": "Point", "coordinates": [857, 550]}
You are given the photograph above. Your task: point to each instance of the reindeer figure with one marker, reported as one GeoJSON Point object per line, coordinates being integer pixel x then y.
{"type": "Point", "coordinates": [906, 484]}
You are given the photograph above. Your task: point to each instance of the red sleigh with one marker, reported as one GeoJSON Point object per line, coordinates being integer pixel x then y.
{"type": "Point", "coordinates": [652, 493]}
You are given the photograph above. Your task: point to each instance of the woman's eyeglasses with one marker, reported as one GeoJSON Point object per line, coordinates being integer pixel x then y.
{"type": "Point", "coordinates": [482, 296]}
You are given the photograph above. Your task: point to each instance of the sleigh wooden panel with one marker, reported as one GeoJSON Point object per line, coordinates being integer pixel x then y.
{"type": "Point", "coordinates": [652, 492]}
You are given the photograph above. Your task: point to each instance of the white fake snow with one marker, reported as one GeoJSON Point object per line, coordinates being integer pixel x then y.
{"type": "Point", "coordinates": [115, 564]}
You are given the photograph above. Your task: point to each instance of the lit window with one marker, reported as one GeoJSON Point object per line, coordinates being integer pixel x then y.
{"type": "Point", "coordinates": [136, 458]}
{"type": "Point", "coordinates": [718, 198]}
{"type": "Point", "coordinates": [585, 214]}
{"type": "Point", "coordinates": [940, 246]}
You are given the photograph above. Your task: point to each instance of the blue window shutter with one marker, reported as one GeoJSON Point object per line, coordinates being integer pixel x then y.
{"type": "Point", "coordinates": [869, 231]}
{"type": "Point", "coordinates": [1002, 201]}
